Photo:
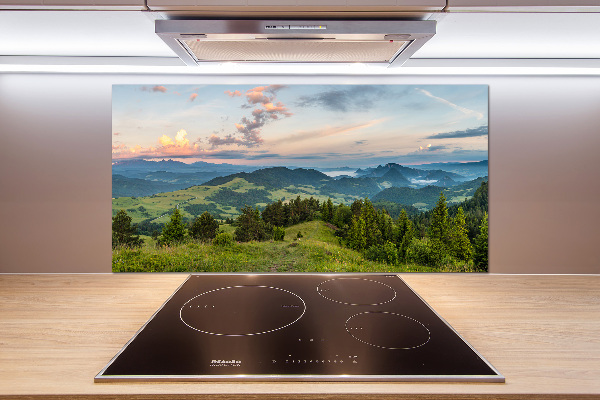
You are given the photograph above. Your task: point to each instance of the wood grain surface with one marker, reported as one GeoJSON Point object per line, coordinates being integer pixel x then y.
{"type": "Point", "coordinates": [542, 332]}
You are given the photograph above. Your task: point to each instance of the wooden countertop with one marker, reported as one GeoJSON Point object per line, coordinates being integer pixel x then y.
{"type": "Point", "coordinates": [542, 332]}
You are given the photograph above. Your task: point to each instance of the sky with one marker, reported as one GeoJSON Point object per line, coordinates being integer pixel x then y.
{"type": "Point", "coordinates": [320, 126]}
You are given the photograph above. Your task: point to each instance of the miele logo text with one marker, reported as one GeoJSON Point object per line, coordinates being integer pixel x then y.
{"type": "Point", "coordinates": [225, 363]}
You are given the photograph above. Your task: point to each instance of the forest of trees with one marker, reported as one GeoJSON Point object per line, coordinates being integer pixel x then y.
{"type": "Point", "coordinates": [435, 239]}
{"type": "Point", "coordinates": [442, 236]}
{"type": "Point", "coordinates": [204, 228]}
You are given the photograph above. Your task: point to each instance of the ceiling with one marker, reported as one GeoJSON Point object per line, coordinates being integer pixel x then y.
{"type": "Point", "coordinates": [29, 35]}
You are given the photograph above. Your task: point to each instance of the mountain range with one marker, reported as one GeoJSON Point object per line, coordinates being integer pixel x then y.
{"type": "Point", "coordinates": [145, 178]}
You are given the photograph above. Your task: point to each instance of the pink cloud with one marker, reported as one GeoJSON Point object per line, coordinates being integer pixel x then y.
{"type": "Point", "coordinates": [118, 147]}
{"type": "Point", "coordinates": [277, 109]}
{"type": "Point", "coordinates": [254, 97]}
{"type": "Point", "coordinates": [250, 128]}
{"type": "Point", "coordinates": [233, 94]}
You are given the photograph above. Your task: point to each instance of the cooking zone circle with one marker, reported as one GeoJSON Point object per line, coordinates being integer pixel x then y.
{"type": "Point", "coordinates": [242, 310]}
{"type": "Point", "coordinates": [388, 330]}
{"type": "Point", "coordinates": [356, 291]}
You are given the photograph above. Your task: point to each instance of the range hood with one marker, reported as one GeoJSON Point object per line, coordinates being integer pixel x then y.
{"type": "Point", "coordinates": [388, 42]}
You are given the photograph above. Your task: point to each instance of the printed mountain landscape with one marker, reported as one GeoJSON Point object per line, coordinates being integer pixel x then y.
{"type": "Point", "coordinates": [223, 190]}
{"type": "Point", "coordinates": [300, 178]}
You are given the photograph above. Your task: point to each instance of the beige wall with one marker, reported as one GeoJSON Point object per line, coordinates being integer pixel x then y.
{"type": "Point", "coordinates": [55, 180]}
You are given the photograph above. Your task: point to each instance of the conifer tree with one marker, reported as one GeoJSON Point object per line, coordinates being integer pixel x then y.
{"type": "Point", "coordinates": [250, 226]}
{"type": "Point", "coordinates": [480, 256]}
{"type": "Point", "coordinates": [373, 234]}
{"type": "Point", "coordinates": [460, 246]}
{"type": "Point", "coordinates": [274, 214]}
{"type": "Point", "coordinates": [327, 211]}
{"type": "Point", "coordinates": [439, 227]}
{"type": "Point", "coordinates": [385, 226]}
{"type": "Point", "coordinates": [404, 234]}
{"type": "Point", "coordinates": [357, 234]}
{"type": "Point", "coordinates": [174, 231]}
{"type": "Point", "coordinates": [342, 216]}
{"type": "Point", "coordinates": [401, 226]}
{"type": "Point", "coordinates": [123, 233]}
{"type": "Point", "coordinates": [407, 238]}
{"type": "Point", "coordinates": [204, 227]}
{"type": "Point", "coordinates": [295, 211]}
{"type": "Point", "coordinates": [356, 207]}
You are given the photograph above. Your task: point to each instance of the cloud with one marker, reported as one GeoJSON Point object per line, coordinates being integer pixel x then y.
{"type": "Point", "coordinates": [275, 88]}
{"type": "Point", "coordinates": [179, 146]}
{"type": "Point", "coordinates": [193, 97]}
{"type": "Point", "coordinates": [274, 110]}
{"type": "Point", "coordinates": [263, 156]}
{"type": "Point", "coordinates": [473, 132]}
{"type": "Point", "coordinates": [355, 98]}
{"type": "Point", "coordinates": [432, 153]}
{"type": "Point", "coordinates": [464, 110]}
{"type": "Point", "coordinates": [117, 133]}
{"type": "Point", "coordinates": [225, 154]}
{"type": "Point", "coordinates": [164, 140]}
{"type": "Point", "coordinates": [256, 97]}
{"type": "Point", "coordinates": [157, 88]}
{"type": "Point", "coordinates": [117, 147]}
{"type": "Point", "coordinates": [216, 141]}
{"type": "Point", "coordinates": [476, 155]}
{"type": "Point", "coordinates": [308, 157]}
{"type": "Point", "coordinates": [330, 156]}
{"type": "Point", "coordinates": [262, 94]}
{"type": "Point", "coordinates": [425, 157]}
{"type": "Point", "coordinates": [262, 99]}
{"type": "Point", "coordinates": [233, 94]}
{"type": "Point", "coordinates": [328, 131]}
{"type": "Point", "coordinates": [429, 147]}
{"type": "Point", "coordinates": [360, 142]}
{"type": "Point", "coordinates": [239, 155]}
{"type": "Point", "coordinates": [180, 139]}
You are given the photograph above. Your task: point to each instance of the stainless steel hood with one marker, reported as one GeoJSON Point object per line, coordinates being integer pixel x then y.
{"type": "Point", "coordinates": [289, 41]}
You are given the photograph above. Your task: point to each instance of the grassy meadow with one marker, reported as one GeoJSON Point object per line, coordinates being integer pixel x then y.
{"type": "Point", "coordinates": [318, 250]}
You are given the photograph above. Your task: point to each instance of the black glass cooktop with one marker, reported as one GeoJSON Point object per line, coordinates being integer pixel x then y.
{"type": "Point", "coordinates": [343, 327]}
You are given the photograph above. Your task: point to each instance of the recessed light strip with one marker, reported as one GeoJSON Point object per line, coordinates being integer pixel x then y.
{"type": "Point", "coordinates": [412, 67]}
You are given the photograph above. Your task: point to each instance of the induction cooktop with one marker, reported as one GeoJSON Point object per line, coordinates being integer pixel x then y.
{"type": "Point", "coordinates": [297, 327]}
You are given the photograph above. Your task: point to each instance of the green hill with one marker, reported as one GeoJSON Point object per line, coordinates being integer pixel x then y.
{"type": "Point", "coordinates": [426, 198]}
{"type": "Point", "coordinates": [222, 201]}
{"type": "Point", "coordinates": [226, 199]}
{"type": "Point", "coordinates": [358, 187]}
{"type": "Point", "coordinates": [124, 186]}
{"type": "Point", "coordinates": [276, 177]}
